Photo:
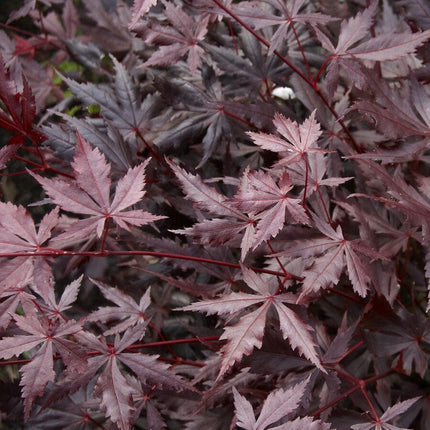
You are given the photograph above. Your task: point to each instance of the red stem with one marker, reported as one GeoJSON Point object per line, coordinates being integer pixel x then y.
{"type": "Point", "coordinates": [163, 340]}
{"type": "Point", "coordinates": [350, 391]}
{"type": "Point", "coordinates": [172, 342]}
{"type": "Point", "coordinates": [153, 152]}
{"type": "Point", "coordinates": [335, 401]}
{"type": "Point", "coordinates": [19, 173]}
{"type": "Point", "coordinates": [28, 33]}
{"type": "Point", "coordinates": [346, 295]}
{"type": "Point", "coordinates": [278, 260]}
{"type": "Point", "coordinates": [132, 347]}
{"type": "Point", "coordinates": [353, 348]}
{"type": "Point", "coordinates": [40, 167]}
{"type": "Point", "coordinates": [230, 30]}
{"type": "Point", "coordinates": [306, 179]}
{"type": "Point", "coordinates": [302, 51]}
{"type": "Point", "coordinates": [50, 252]}
{"type": "Point", "coordinates": [105, 233]}
{"type": "Point", "coordinates": [327, 60]}
{"type": "Point", "coordinates": [32, 163]}
{"type": "Point", "coordinates": [369, 402]}
{"type": "Point", "coordinates": [96, 423]}
{"type": "Point", "coordinates": [179, 360]}
{"type": "Point", "coordinates": [238, 118]}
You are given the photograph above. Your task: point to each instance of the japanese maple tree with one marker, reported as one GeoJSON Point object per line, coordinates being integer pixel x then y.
{"type": "Point", "coordinates": [215, 214]}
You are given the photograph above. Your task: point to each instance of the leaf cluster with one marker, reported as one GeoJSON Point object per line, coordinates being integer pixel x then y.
{"type": "Point", "coordinates": [231, 227]}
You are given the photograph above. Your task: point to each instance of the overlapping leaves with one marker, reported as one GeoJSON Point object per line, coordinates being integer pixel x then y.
{"type": "Point", "coordinates": [89, 194]}
{"type": "Point", "coordinates": [248, 332]}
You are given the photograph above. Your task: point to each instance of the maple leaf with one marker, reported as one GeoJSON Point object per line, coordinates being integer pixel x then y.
{"type": "Point", "coordinates": [202, 110]}
{"type": "Point", "coordinates": [112, 386]}
{"type": "Point", "coordinates": [247, 333]}
{"type": "Point", "coordinates": [413, 202]}
{"type": "Point", "coordinates": [55, 308]}
{"type": "Point", "coordinates": [278, 404]}
{"type": "Point", "coordinates": [388, 46]}
{"type": "Point", "coordinates": [218, 230]}
{"type": "Point", "coordinates": [388, 415]}
{"type": "Point", "coordinates": [127, 311]}
{"type": "Point", "coordinates": [21, 107]}
{"type": "Point", "coordinates": [281, 13]}
{"type": "Point", "coordinates": [177, 39]}
{"type": "Point", "coordinates": [109, 141]}
{"type": "Point", "coordinates": [90, 194]}
{"type": "Point", "coordinates": [312, 175]}
{"type": "Point", "coordinates": [242, 55]}
{"type": "Point", "coordinates": [17, 274]}
{"type": "Point", "coordinates": [39, 371]}
{"type": "Point", "coordinates": [17, 229]}
{"type": "Point", "coordinates": [405, 334]}
{"type": "Point", "coordinates": [395, 112]}
{"type": "Point", "coordinates": [261, 192]}
{"type": "Point", "coordinates": [298, 147]}
{"type": "Point", "coordinates": [75, 411]}
{"type": "Point", "coordinates": [298, 140]}
{"type": "Point", "coordinates": [18, 234]}
{"type": "Point", "coordinates": [251, 72]}
{"type": "Point", "coordinates": [120, 105]}
{"type": "Point", "coordinates": [330, 255]}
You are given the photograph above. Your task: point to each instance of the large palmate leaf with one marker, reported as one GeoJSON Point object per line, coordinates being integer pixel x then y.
{"type": "Point", "coordinates": [296, 142]}
{"type": "Point", "coordinates": [108, 139]}
{"type": "Point", "coordinates": [387, 46]}
{"type": "Point", "coordinates": [127, 311]}
{"type": "Point", "coordinates": [413, 202]}
{"type": "Point", "coordinates": [247, 333]}
{"type": "Point", "coordinates": [202, 113]}
{"type": "Point", "coordinates": [406, 335]}
{"type": "Point", "coordinates": [89, 194]}
{"type": "Point", "coordinates": [278, 404]}
{"type": "Point", "coordinates": [269, 201]}
{"type": "Point", "coordinates": [40, 370]}
{"type": "Point", "coordinates": [17, 229]}
{"type": "Point", "coordinates": [391, 413]}
{"type": "Point", "coordinates": [216, 231]}
{"type": "Point", "coordinates": [113, 386]}
{"type": "Point", "coordinates": [18, 234]}
{"type": "Point", "coordinates": [396, 112]}
{"type": "Point", "coordinates": [178, 37]}
{"type": "Point", "coordinates": [251, 72]}
{"type": "Point", "coordinates": [330, 255]}
{"type": "Point", "coordinates": [121, 105]}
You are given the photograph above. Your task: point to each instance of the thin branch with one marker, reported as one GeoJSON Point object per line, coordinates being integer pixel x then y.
{"type": "Point", "coordinates": [52, 252]}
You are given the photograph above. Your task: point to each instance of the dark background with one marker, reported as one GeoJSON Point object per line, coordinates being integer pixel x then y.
{"type": "Point", "coordinates": [7, 6]}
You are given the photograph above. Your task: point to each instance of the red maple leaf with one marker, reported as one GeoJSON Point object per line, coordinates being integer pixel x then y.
{"type": "Point", "coordinates": [248, 332]}
{"type": "Point", "coordinates": [40, 370]}
{"type": "Point", "coordinates": [89, 194]}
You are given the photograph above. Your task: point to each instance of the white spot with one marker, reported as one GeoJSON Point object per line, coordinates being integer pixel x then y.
{"type": "Point", "coordinates": [284, 93]}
